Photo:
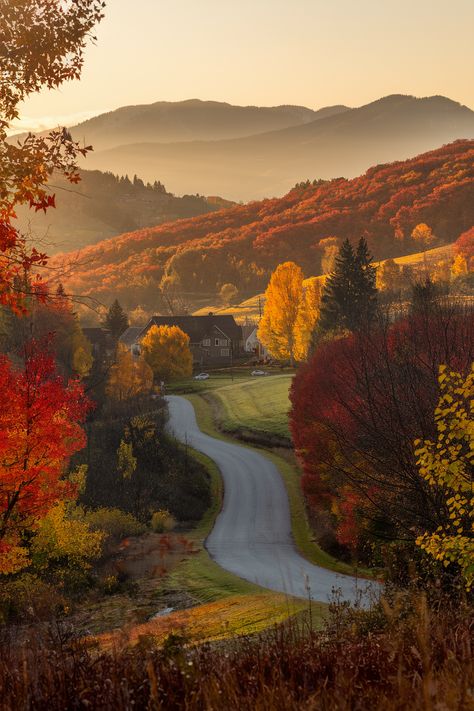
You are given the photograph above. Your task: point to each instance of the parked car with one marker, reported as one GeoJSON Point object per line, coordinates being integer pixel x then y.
{"type": "Point", "coordinates": [201, 376]}
{"type": "Point", "coordinates": [258, 372]}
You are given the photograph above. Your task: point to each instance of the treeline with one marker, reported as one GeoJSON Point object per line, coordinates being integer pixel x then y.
{"type": "Point", "coordinates": [85, 459]}
{"type": "Point", "coordinates": [243, 244]}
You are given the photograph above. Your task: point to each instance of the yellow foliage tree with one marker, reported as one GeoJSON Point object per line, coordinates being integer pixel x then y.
{"type": "Point", "coordinates": [82, 358]}
{"type": "Point", "coordinates": [447, 465]}
{"type": "Point", "coordinates": [389, 276]}
{"type": "Point", "coordinates": [129, 376]}
{"type": "Point", "coordinates": [63, 534]}
{"type": "Point", "coordinates": [459, 266]}
{"type": "Point", "coordinates": [283, 301]}
{"type": "Point", "coordinates": [423, 234]}
{"type": "Point", "coordinates": [167, 352]}
{"type": "Point", "coordinates": [441, 271]}
{"type": "Point", "coordinates": [307, 317]}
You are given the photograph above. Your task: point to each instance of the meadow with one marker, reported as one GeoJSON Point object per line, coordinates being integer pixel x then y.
{"type": "Point", "coordinates": [259, 406]}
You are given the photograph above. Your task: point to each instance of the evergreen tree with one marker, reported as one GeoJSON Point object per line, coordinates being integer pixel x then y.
{"type": "Point", "coordinates": [116, 320]}
{"type": "Point", "coordinates": [349, 299]}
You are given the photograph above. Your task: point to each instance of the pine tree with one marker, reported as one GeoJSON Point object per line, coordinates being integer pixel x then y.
{"type": "Point", "coordinates": [116, 320]}
{"type": "Point", "coordinates": [366, 277]}
{"type": "Point", "coordinates": [349, 299]}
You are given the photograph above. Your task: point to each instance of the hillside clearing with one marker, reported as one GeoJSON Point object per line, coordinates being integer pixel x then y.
{"type": "Point", "coordinates": [252, 308]}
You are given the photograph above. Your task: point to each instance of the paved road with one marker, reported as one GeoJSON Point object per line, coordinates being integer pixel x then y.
{"type": "Point", "coordinates": [252, 534]}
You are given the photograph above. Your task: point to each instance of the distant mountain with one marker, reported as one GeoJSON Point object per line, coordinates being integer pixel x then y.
{"type": "Point", "coordinates": [103, 205]}
{"type": "Point", "coordinates": [242, 244]}
{"type": "Point", "coordinates": [335, 142]}
{"type": "Point", "coordinates": [193, 120]}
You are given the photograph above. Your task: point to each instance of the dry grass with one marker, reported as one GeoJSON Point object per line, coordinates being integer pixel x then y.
{"type": "Point", "coordinates": [409, 658]}
{"type": "Point", "coordinates": [227, 618]}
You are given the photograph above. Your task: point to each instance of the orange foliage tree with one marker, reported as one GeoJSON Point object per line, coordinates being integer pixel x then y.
{"type": "Point", "coordinates": [40, 428]}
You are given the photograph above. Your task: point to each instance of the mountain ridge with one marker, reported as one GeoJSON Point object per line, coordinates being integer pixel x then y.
{"type": "Point", "coordinates": [266, 164]}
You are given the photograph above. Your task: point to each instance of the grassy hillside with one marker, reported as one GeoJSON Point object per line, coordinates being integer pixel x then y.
{"type": "Point", "coordinates": [251, 308]}
{"type": "Point", "coordinates": [243, 244]}
{"type": "Point", "coordinates": [259, 405]}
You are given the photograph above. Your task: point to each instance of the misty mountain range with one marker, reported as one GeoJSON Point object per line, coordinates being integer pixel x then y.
{"type": "Point", "coordinates": [245, 153]}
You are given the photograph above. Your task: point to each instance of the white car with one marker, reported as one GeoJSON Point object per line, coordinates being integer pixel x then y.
{"type": "Point", "coordinates": [201, 376]}
{"type": "Point", "coordinates": [258, 372]}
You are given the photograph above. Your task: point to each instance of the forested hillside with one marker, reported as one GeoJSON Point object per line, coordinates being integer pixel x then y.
{"type": "Point", "coordinates": [241, 245]}
{"type": "Point", "coordinates": [103, 205]}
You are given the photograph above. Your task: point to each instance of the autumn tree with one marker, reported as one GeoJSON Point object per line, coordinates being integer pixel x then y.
{"type": "Point", "coordinates": [359, 404]}
{"type": "Point", "coordinates": [464, 247]}
{"type": "Point", "coordinates": [129, 377]}
{"type": "Point", "coordinates": [116, 321]}
{"type": "Point", "coordinates": [330, 247]}
{"type": "Point", "coordinates": [308, 316]}
{"type": "Point", "coordinates": [349, 299]}
{"type": "Point", "coordinates": [228, 294]}
{"type": "Point", "coordinates": [389, 276]}
{"type": "Point", "coordinates": [40, 429]}
{"type": "Point", "coordinates": [64, 537]}
{"type": "Point", "coordinates": [283, 300]}
{"type": "Point", "coordinates": [423, 235]}
{"type": "Point", "coordinates": [446, 463]}
{"type": "Point", "coordinates": [167, 352]}
{"type": "Point", "coordinates": [42, 45]}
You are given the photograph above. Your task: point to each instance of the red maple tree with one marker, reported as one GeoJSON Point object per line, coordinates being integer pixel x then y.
{"type": "Point", "coordinates": [40, 428]}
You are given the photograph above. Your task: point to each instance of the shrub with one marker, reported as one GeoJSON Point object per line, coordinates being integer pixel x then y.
{"type": "Point", "coordinates": [162, 521]}
{"type": "Point", "coordinates": [116, 524]}
{"type": "Point", "coordinates": [27, 597]}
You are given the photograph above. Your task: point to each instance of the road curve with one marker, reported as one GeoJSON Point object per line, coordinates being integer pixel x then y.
{"type": "Point", "coordinates": [252, 534]}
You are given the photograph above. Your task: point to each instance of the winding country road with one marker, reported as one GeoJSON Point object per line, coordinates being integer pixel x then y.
{"type": "Point", "coordinates": [252, 534]}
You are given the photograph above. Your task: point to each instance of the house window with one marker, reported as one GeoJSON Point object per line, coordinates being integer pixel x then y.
{"type": "Point", "coordinates": [206, 342]}
{"type": "Point", "coordinates": [221, 342]}
{"type": "Point", "coordinates": [225, 352]}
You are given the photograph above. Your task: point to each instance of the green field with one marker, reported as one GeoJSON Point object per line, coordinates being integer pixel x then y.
{"type": "Point", "coordinates": [259, 405]}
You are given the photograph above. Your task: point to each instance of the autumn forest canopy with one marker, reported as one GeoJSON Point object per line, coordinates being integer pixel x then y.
{"type": "Point", "coordinates": [243, 244]}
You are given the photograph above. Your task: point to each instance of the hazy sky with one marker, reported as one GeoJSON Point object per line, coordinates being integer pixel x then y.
{"type": "Point", "coordinates": [269, 52]}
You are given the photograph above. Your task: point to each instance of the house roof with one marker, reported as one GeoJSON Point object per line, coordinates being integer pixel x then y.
{"type": "Point", "coordinates": [130, 336]}
{"type": "Point", "coordinates": [197, 327]}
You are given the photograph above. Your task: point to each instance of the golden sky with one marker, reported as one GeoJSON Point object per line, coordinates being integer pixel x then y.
{"type": "Point", "coordinates": [269, 52]}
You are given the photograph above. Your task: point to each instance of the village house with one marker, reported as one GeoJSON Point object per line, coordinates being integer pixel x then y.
{"type": "Point", "coordinates": [214, 340]}
{"type": "Point", "coordinates": [252, 344]}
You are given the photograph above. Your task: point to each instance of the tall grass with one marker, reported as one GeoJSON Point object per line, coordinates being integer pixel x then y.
{"type": "Point", "coordinates": [405, 656]}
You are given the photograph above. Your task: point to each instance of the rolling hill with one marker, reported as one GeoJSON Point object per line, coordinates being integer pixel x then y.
{"type": "Point", "coordinates": [242, 244]}
{"type": "Point", "coordinates": [334, 142]}
{"type": "Point", "coordinates": [192, 120]}
{"type": "Point", "coordinates": [103, 205]}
